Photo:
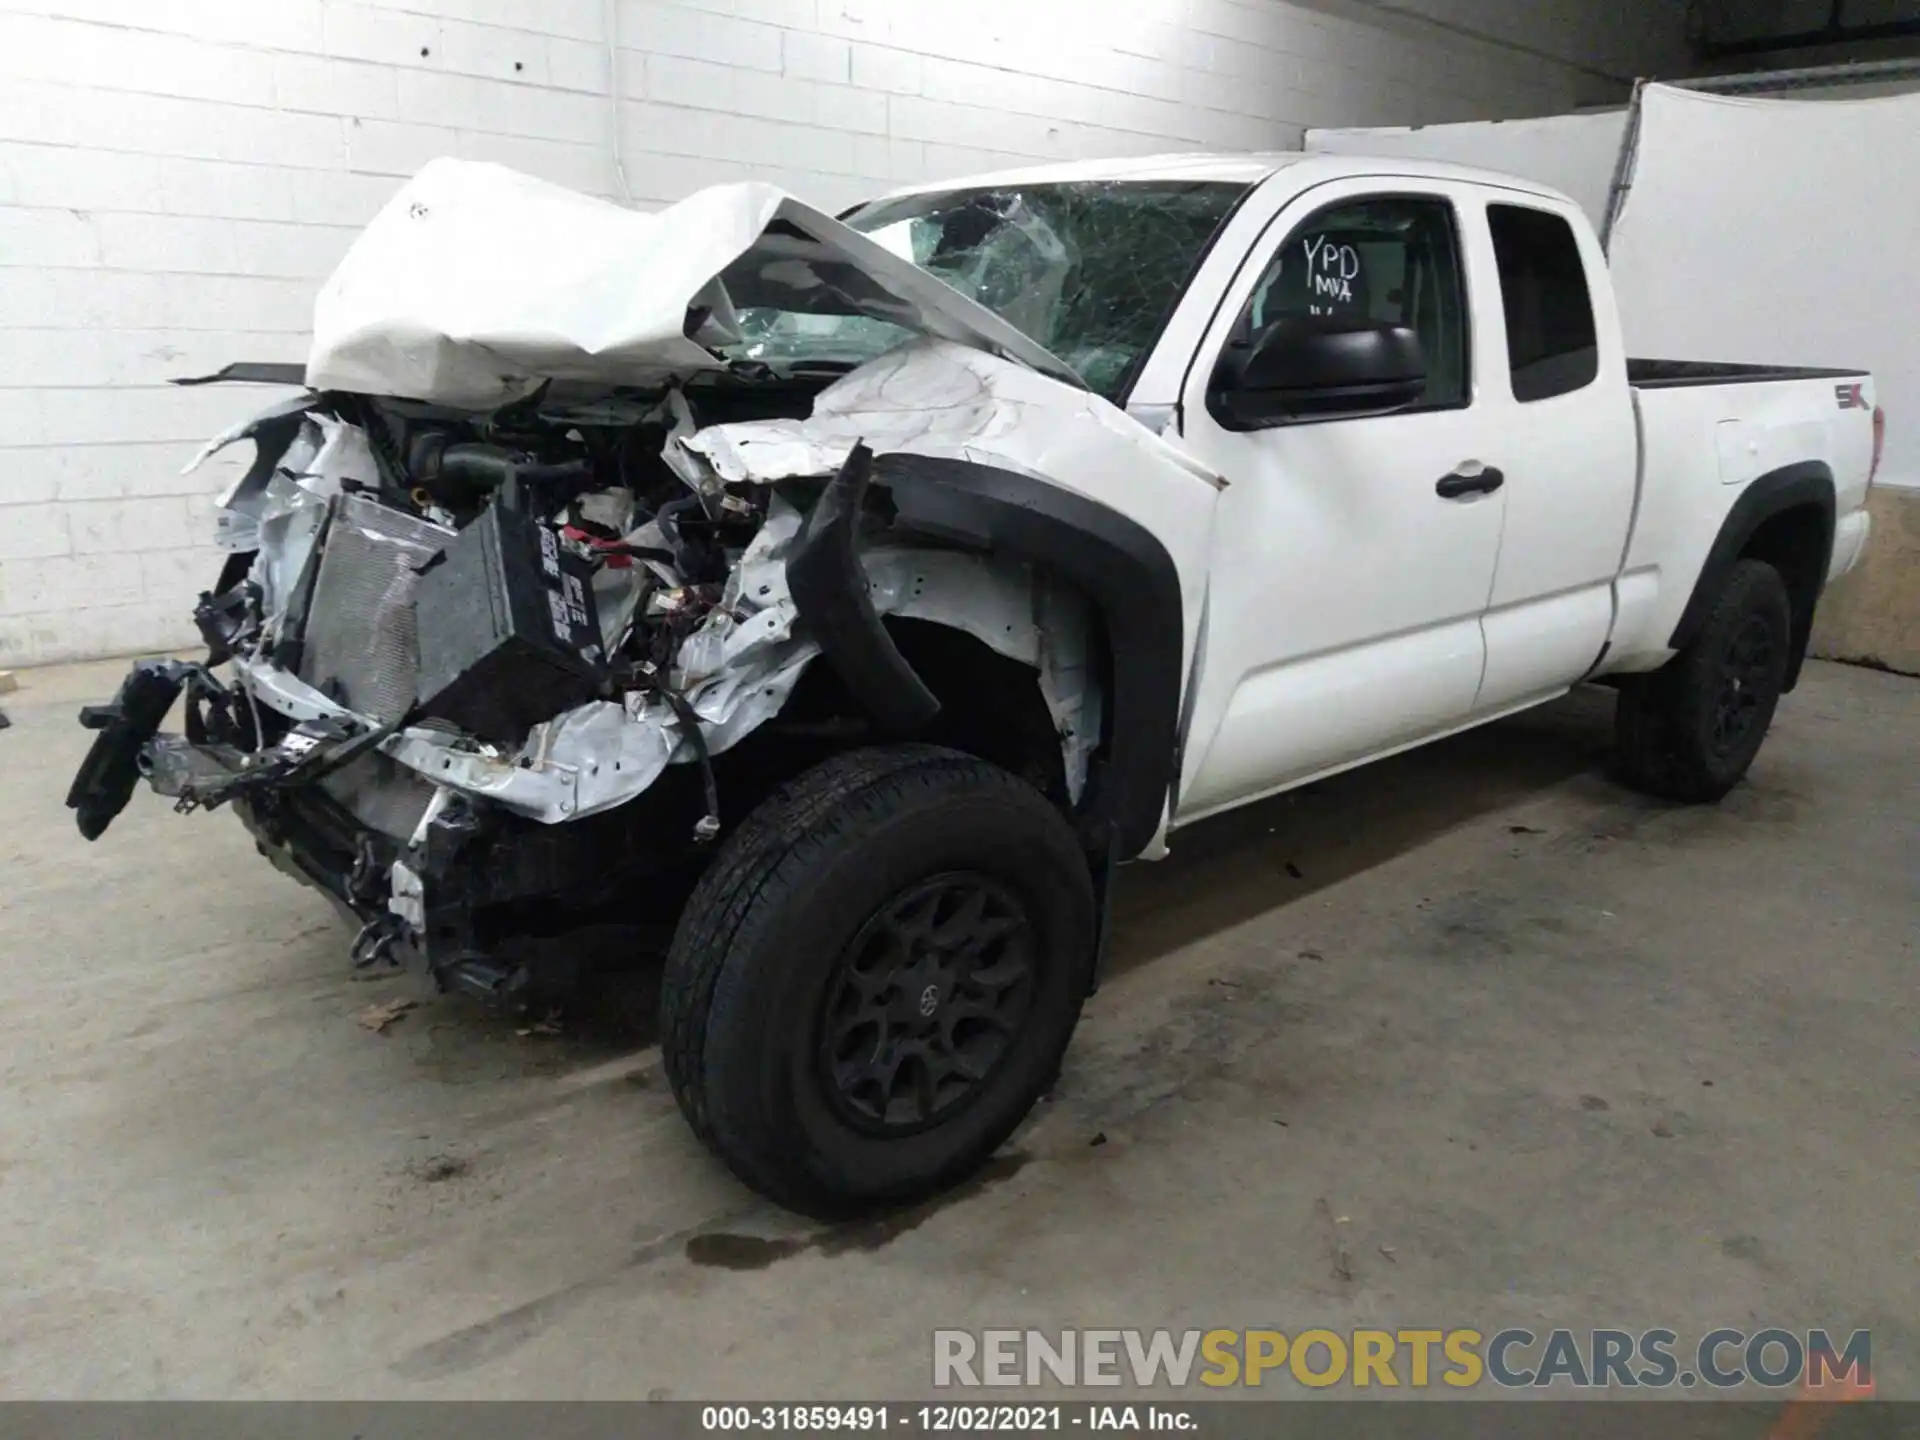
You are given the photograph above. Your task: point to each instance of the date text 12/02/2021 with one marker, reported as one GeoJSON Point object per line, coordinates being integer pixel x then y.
{"type": "Point", "coordinates": [945, 1419]}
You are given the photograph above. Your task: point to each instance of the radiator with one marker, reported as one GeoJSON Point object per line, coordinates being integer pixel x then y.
{"type": "Point", "coordinates": [361, 646]}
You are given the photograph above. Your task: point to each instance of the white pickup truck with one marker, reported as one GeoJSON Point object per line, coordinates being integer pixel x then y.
{"type": "Point", "coordinates": [849, 597]}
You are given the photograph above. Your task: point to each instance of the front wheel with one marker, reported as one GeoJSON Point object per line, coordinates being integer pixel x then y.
{"type": "Point", "coordinates": [877, 977]}
{"type": "Point", "coordinates": [1690, 730]}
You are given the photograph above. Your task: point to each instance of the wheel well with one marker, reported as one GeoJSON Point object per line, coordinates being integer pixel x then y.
{"type": "Point", "coordinates": [1794, 541]}
{"type": "Point", "coordinates": [990, 706]}
{"type": "Point", "coordinates": [1134, 587]}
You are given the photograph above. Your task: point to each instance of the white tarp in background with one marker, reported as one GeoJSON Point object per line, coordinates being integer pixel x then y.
{"type": "Point", "coordinates": [1574, 154]}
{"type": "Point", "coordinates": [1762, 230]}
{"type": "Point", "coordinates": [1783, 231]}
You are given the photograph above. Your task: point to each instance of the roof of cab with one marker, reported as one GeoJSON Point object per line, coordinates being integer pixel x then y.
{"type": "Point", "coordinates": [1240, 169]}
{"type": "Point", "coordinates": [1245, 169]}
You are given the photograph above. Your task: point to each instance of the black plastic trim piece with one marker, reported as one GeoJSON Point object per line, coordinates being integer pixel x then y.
{"type": "Point", "coordinates": [1809, 483]}
{"type": "Point", "coordinates": [104, 783]}
{"type": "Point", "coordinates": [1456, 485]}
{"type": "Point", "coordinates": [1106, 869]}
{"type": "Point", "coordinates": [250, 372]}
{"type": "Point", "coordinates": [1130, 577]}
{"type": "Point", "coordinates": [1644, 374]}
{"type": "Point", "coordinates": [1834, 33]}
{"type": "Point", "coordinates": [830, 591]}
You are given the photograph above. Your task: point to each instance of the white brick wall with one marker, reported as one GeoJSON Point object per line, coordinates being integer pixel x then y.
{"type": "Point", "coordinates": [176, 176]}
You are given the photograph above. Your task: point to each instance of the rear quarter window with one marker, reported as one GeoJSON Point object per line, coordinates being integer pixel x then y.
{"type": "Point", "coordinates": [1551, 345]}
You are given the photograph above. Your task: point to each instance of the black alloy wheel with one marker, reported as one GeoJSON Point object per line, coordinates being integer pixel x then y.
{"type": "Point", "coordinates": [1746, 674]}
{"type": "Point", "coordinates": [927, 1000]}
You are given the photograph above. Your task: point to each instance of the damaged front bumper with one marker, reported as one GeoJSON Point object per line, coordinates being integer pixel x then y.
{"type": "Point", "coordinates": [275, 789]}
{"type": "Point", "coordinates": [204, 768]}
{"type": "Point", "coordinates": [448, 896]}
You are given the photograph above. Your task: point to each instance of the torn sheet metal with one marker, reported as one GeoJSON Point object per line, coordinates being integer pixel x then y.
{"type": "Point", "coordinates": [287, 693]}
{"type": "Point", "coordinates": [1063, 636]}
{"type": "Point", "coordinates": [737, 671]}
{"type": "Point", "coordinates": [930, 397]}
{"type": "Point", "coordinates": [739, 668]}
{"type": "Point", "coordinates": [284, 437]}
{"type": "Point", "coordinates": [475, 284]}
{"type": "Point", "coordinates": [246, 430]}
{"type": "Point", "coordinates": [407, 894]}
{"type": "Point", "coordinates": [278, 508]}
{"type": "Point", "coordinates": [289, 528]}
{"type": "Point", "coordinates": [345, 454]}
{"type": "Point", "coordinates": [756, 610]}
{"type": "Point", "coordinates": [831, 591]}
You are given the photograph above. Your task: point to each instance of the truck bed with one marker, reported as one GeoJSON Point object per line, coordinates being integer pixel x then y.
{"type": "Point", "coordinates": [1671, 374]}
{"type": "Point", "coordinates": [1708, 434]}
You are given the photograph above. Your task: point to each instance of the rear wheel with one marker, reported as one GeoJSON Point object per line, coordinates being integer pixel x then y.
{"type": "Point", "coordinates": [1690, 730]}
{"type": "Point", "coordinates": [877, 977]}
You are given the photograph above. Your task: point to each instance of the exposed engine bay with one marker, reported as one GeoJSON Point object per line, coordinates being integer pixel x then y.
{"type": "Point", "coordinates": [464, 630]}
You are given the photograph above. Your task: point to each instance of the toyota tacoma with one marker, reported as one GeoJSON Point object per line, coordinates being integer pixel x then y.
{"type": "Point", "coordinates": [849, 597]}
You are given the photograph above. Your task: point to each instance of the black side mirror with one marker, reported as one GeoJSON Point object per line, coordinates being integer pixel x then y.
{"type": "Point", "coordinates": [1312, 367]}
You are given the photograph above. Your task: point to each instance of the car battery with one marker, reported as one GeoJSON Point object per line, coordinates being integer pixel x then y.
{"type": "Point", "coordinates": [508, 632]}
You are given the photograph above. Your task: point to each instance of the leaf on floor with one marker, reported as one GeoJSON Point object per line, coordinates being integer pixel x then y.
{"type": "Point", "coordinates": [379, 1016]}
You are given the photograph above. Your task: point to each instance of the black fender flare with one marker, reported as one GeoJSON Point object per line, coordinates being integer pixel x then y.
{"type": "Point", "coordinates": [1807, 483]}
{"type": "Point", "coordinates": [1133, 583]}
{"type": "Point", "coordinates": [830, 591]}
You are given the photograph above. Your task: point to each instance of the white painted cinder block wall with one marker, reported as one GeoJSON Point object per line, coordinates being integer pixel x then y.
{"type": "Point", "coordinates": [177, 176]}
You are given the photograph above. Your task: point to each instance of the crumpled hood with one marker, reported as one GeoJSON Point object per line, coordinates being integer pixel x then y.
{"type": "Point", "coordinates": [476, 283]}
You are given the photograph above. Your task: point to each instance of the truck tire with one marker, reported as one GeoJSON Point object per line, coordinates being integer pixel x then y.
{"type": "Point", "coordinates": [877, 977]}
{"type": "Point", "coordinates": [1690, 730]}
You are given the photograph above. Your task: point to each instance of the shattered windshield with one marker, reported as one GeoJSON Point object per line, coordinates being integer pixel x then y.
{"type": "Point", "coordinates": [1090, 270]}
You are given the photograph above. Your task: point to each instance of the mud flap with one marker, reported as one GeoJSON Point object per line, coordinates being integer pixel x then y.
{"type": "Point", "coordinates": [105, 780]}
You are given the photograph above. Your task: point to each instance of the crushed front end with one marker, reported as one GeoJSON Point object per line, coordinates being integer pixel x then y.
{"type": "Point", "coordinates": [483, 663]}
{"type": "Point", "coordinates": [485, 676]}
{"type": "Point", "coordinates": [441, 634]}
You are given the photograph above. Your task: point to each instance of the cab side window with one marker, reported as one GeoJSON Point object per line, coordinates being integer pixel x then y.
{"type": "Point", "coordinates": [1393, 260]}
{"type": "Point", "coordinates": [1551, 348]}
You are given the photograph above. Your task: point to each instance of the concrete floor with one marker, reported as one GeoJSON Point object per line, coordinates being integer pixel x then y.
{"type": "Point", "coordinates": [1554, 1055]}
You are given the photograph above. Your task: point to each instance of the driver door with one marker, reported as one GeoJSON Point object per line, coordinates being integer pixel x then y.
{"type": "Point", "coordinates": [1350, 570]}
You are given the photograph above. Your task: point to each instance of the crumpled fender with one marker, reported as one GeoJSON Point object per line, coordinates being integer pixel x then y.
{"type": "Point", "coordinates": [979, 454]}
{"type": "Point", "coordinates": [1133, 584]}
